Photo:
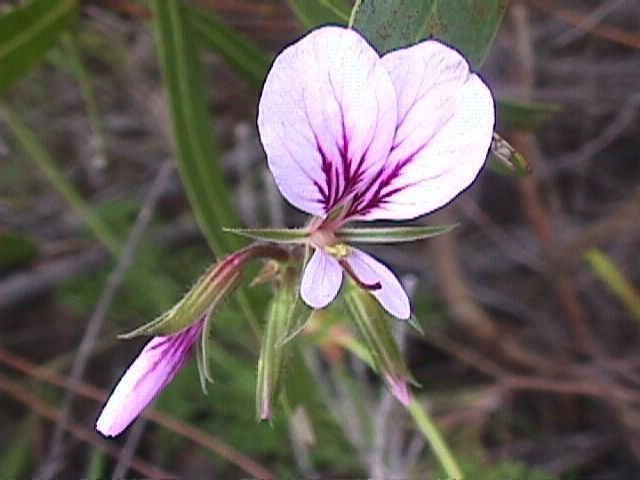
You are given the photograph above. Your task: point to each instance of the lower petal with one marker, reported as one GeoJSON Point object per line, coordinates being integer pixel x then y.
{"type": "Point", "coordinates": [321, 280]}
{"type": "Point", "coordinates": [391, 295]}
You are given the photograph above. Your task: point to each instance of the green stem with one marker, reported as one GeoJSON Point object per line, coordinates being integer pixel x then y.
{"type": "Point", "coordinates": [77, 66]}
{"type": "Point", "coordinates": [354, 10]}
{"type": "Point", "coordinates": [440, 449]}
{"type": "Point", "coordinates": [422, 418]}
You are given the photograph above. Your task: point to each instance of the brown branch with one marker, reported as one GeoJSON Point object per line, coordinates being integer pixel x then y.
{"type": "Point", "coordinates": [197, 436]}
{"type": "Point", "coordinates": [578, 20]}
{"type": "Point", "coordinates": [47, 411]}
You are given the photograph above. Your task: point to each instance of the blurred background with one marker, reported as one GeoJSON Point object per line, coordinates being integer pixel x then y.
{"type": "Point", "coordinates": [529, 361]}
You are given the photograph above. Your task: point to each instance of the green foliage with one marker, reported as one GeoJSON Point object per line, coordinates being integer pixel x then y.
{"type": "Point", "coordinates": [51, 170]}
{"type": "Point", "coordinates": [609, 273]}
{"type": "Point", "coordinates": [246, 57]}
{"type": "Point", "coordinates": [527, 116]}
{"type": "Point", "coordinates": [27, 34]}
{"type": "Point", "coordinates": [197, 154]}
{"type": "Point", "coordinates": [136, 300]}
{"type": "Point", "coordinates": [469, 25]}
{"type": "Point", "coordinates": [15, 460]}
{"type": "Point", "coordinates": [313, 13]}
{"type": "Point", "coordinates": [505, 470]}
{"type": "Point", "coordinates": [16, 249]}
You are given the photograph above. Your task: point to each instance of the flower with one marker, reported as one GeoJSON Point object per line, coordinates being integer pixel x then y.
{"type": "Point", "coordinates": [350, 135]}
{"type": "Point", "coordinates": [155, 367]}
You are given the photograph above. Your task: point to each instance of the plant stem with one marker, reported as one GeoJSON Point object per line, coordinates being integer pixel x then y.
{"type": "Point", "coordinates": [76, 64]}
{"type": "Point", "coordinates": [431, 432]}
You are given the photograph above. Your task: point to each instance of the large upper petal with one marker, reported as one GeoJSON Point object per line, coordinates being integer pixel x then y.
{"type": "Point", "coordinates": [445, 125]}
{"type": "Point", "coordinates": [391, 295]}
{"type": "Point", "coordinates": [326, 118]}
{"type": "Point", "coordinates": [155, 367]}
{"type": "Point", "coordinates": [321, 280]}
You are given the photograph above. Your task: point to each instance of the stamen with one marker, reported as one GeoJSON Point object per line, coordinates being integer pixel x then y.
{"type": "Point", "coordinates": [366, 286]}
{"type": "Point", "coordinates": [338, 250]}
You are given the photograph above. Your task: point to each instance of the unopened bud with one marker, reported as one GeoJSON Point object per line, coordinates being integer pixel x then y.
{"type": "Point", "coordinates": [374, 327]}
{"type": "Point", "coordinates": [206, 295]}
{"type": "Point", "coordinates": [283, 320]}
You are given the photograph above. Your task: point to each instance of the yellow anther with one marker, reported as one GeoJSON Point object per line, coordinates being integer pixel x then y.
{"type": "Point", "coordinates": [338, 250]}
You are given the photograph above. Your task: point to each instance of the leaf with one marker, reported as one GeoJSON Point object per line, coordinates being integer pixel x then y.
{"type": "Point", "coordinates": [277, 235]}
{"type": "Point", "coordinates": [248, 58]}
{"type": "Point", "coordinates": [54, 174]}
{"type": "Point", "coordinates": [505, 159]}
{"type": "Point", "coordinates": [392, 234]}
{"type": "Point", "coordinates": [27, 34]}
{"type": "Point", "coordinates": [608, 272]}
{"type": "Point", "coordinates": [197, 154]}
{"type": "Point", "coordinates": [313, 13]}
{"type": "Point", "coordinates": [16, 249]}
{"type": "Point", "coordinates": [523, 115]}
{"type": "Point", "coordinates": [468, 25]}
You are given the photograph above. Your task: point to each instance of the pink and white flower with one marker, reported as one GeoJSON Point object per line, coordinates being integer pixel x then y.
{"type": "Point", "coordinates": [155, 367]}
{"type": "Point", "coordinates": [350, 135]}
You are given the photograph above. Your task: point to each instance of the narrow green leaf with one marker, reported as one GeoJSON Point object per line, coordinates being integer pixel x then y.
{"type": "Point", "coordinates": [313, 13]}
{"type": "Point", "coordinates": [392, 234]}
{"type": "Point", "coordinates": [276, 235]}
{"type": "Point", "coordinates": [54, 174]}
{"type": "Point", "coordinates": [505, 159]}
{"type": "Point", "coordinates": [27, 34]}
{"type": "Point", "coordinates": [74, 59]}
{"type": "Point", "coordinates": [248, 58]}
{"type": "Point", "coordinates": [16, 249]}
{"type": "Point", "coordinates": [469, 25]}
{"type": "Point", "coordinates": [197, 152]}
{"type": "Point", "coordinates": [614, 279]}
{"type": "Point", "coordinates": [523, 115]}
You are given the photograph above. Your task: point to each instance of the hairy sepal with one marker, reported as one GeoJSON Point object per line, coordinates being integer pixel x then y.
{"type": "Point", "coordinates": [283, 319]}
{"type": "Point", "coordinates": [374, 326]}
{"type": "Point", "coordinates": [274, 235]}
{"type": "Point", "coordinates": [391, 234]}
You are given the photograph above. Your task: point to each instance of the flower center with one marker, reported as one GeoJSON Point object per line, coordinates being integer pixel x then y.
{"type": "Point", "coordinates": [325, 239]}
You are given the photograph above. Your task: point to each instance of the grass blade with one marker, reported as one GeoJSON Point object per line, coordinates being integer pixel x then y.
{"type": "Point", "coordinates": [197, 154]}
{"type": "Point", "coordinates": [27, 34]}
{"type": "Point", "coordinates": [246, 57]}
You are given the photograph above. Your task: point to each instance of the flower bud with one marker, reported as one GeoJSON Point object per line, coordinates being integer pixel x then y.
{"type": "Point", "coordinates": [374, 327]}
{"type": "Point", "coordinates": [283, 321]}
{"type": "Point", "coordinates": [206, 295]}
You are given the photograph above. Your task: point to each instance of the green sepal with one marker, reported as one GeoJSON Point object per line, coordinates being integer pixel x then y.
{"type": "Point", "coordinates": [205, 296]}
{"type": "Point", "coordinates": [505, 159]}
{"type": "Point", "coordinates": [374, 326]}
{"type": "Point", "coordinates": [283, 319]}
{"type": "Point", "coordinates": [415, 324]}
{"type": "Point", "coordinates": [391, 234]}
{"type": "Point", "coordinates": [275, 235]}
